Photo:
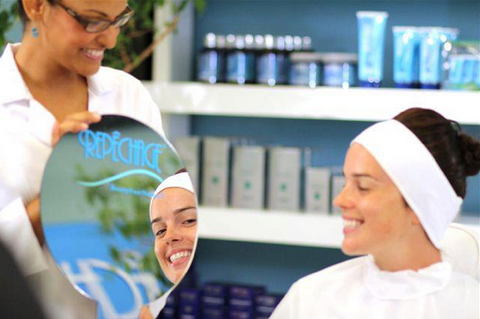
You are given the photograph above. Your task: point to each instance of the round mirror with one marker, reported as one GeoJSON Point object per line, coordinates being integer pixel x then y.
{"type": "Point", "coordinates": [119, 215]}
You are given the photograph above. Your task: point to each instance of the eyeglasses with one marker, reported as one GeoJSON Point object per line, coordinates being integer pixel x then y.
{"type": "Point", "coordinates": [97, 25]}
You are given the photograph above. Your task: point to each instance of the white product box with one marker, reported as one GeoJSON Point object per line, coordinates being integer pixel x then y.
{"type": "Point", "coordinates": [317, 190]}
{"type": "Point", "coordinates": [248, 177]}
{"type": "Point", "coordinates": [216, 159]}
{"type": "Point", "coordinates": [284, 178]}
{"type": "Point", "coordinates": [188, 149]}
{"type": "Point", "coordinates": [337, 185]}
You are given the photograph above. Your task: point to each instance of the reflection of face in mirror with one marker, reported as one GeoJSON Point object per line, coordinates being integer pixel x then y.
{"type": "Point", "coordinates": [173, 216]}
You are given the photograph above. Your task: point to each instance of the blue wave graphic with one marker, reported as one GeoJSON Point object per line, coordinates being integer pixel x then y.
{"type": "Point", "coordinates": [120, 176]}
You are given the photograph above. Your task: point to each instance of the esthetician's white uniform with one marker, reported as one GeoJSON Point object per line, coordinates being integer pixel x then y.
{"type": "Point", "coordinates": [357, 289]}
{"type": "Point", "coordinates": [25, 145]}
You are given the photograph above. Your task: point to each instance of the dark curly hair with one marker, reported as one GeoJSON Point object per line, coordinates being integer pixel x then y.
{"type": "Point", "coordinates": [457, 154]}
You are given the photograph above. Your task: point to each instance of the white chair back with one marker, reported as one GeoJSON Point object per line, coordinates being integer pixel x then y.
{"type": "Point", "coordinates": [461, 247]}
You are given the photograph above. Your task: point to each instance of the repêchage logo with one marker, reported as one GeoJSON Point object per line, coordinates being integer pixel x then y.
{"type": "Point", "coordinates": [135, 152]}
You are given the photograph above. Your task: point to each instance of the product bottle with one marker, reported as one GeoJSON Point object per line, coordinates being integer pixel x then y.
{"type": "Point", "coordinates": [241, 60]}
{"type": "Point", "coordinates": [289, 47]}
{"type": "Point", "coordinates": [297, 44]}
{"type": "Point", "coordinates": [282, 60]}
{"type": "Point", "coordinates": [307, 44]}
{"type": "Point", "coordinates": [259, 50]}
{"type": "Point", "coordinates": [267, 70]}
{"type": "Point", "coordinates": [222, 52]}
{"type": "Point", "coordinates": [229, 45]}
{"type": "Point", "coordinates": [250, 52]}
{"type": "Point", "coordinates": [210, 60]}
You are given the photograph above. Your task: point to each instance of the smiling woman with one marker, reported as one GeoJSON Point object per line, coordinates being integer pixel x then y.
{"type": "Point", "coordinates": [56, 85]}
{"type": "Point", "coordinates": [173, 215]}
{"type": "Point", "coordinates": [405, 181]}
{"type": "Point", "coordinates": [72, 35]}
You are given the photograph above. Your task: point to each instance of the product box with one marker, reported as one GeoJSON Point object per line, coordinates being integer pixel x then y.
{"type": "Point", "coordinates": [170, 309]}
{"type": "Point", "coordinates": [167, 313]}
{"type": "Point", "coordinates": [189, 303]}
{"type": "Point", "coordinates": [188, 148]}
{"type": "Point", "coordinates": [215, 289]}
{"type": "Point", "coordinates": [317, 190]}
{"type": "Point", "coordinates": [248, 177]}
{"type": "Point", "coordinates": [242, 298]}
{"type": "Point", "coordinates": [214, 301]}
{"type": "Point", "coordinates": [215, 171]}
{"type": "Point", "coordinates": [265, 305]}
{"type": "Point", "coordinates": [188, 316]}
{"type": "Point", "coordinates": [338, 182]}
{"type": "Point", "coordinates": [243, 314]}
{"type": "Point", "coordinates": [212, 313]}
{"type": "Point", "coordinates": [284, 178]}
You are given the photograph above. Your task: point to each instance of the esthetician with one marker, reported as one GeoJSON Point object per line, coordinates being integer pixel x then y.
{"type": "Point", "coordinates": [51, 84]}
{"type": "Point", "coordinates": [405, 181]}
{"type": "Point", "coordinates": [173, 215]}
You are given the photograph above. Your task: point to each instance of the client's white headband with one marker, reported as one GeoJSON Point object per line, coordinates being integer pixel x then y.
{"type": "Point", "coordinates": [416, 174]}
{"type": "Point", "coordinates": [180, 180]}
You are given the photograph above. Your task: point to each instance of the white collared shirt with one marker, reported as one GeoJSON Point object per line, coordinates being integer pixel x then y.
{"type": "Point", "coordinates": [25, 145]}
{"type": "Point", "coordinates": [357, 289]}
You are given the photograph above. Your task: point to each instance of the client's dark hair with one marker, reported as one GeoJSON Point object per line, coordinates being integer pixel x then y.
{"type": "Point", "coordinates": [181, 170]}
{"type": "Point", "coordinates": [457, 154]}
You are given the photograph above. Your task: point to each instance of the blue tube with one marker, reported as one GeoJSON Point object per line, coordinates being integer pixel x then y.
{"type": "Point", "coordinates": [371, 35]}
{"type": "Point", "coordinates": [406, 52]}
{"type": "Point", "coordinates": [431, 59]}
{"type": "Point", "coordinates": [476, 73]}
{"type": "Point", "coordinates": [468, 70]}
{"type": "Point", "coordinates": [448, 35]}
{"type": "Point", "coordinates": [464, 73]}
{"type": "Point", "coordinates": [456, 70]}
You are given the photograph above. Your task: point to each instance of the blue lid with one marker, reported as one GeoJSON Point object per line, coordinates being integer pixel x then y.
{"type": "Point", "coordinates": [405, 86]}
{"type": "Point", "coordinates": [430, 86]}
{"type": "Point", "coordinates": [366, 84]}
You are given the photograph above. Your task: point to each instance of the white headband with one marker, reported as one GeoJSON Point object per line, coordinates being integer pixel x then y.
{"type": "Point", "coordinates": [180, 180]}
{"type": "Point", "coordinates": [416, 174]}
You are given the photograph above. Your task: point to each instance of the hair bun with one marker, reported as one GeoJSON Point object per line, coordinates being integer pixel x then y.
{"type": "Point", "coordinates": [471, 154]}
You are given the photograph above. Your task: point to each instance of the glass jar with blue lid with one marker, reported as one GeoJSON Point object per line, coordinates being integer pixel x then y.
{"type": "Point", "coordinates": [305, 69]}
{"type": "Point", "coordinates": [339, 69]}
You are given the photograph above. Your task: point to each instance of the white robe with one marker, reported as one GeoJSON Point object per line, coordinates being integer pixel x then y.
{"type": "Point", "coordinates": [357, 289]}
{"type": "Point", "coordinates": [25, 145]}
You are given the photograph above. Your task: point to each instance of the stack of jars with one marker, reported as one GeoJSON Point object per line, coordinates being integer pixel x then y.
{"type": "Point", "coordinates": [240, 59]}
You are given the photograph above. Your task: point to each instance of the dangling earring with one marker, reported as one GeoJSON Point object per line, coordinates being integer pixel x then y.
{"type": "Point", "coordinates": [35, 32]}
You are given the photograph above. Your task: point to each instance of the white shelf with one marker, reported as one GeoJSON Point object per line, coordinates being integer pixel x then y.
{"type": "Point", "coordinates": [275, 227]}
{"type": "Point", "coordinates": [354, 104]}
{"type": "Point", "coordinates": [271, 227]}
